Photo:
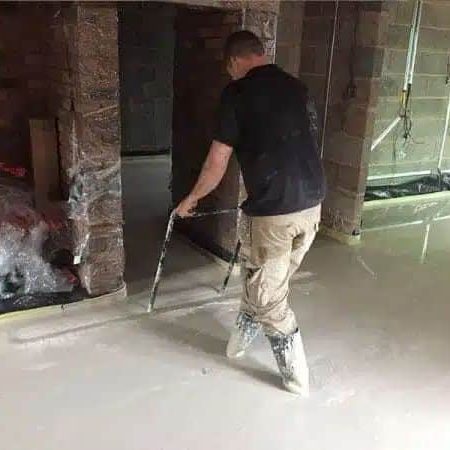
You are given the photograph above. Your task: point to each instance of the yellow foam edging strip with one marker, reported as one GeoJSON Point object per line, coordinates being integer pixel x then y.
{"type": "Point", "coordinates": [340, 236]}
{"type": "Point", "coordinates": [121, 294]}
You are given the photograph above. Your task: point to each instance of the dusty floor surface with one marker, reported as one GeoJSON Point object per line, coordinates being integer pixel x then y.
{"type": "Point", "coordinates": [107, 376]}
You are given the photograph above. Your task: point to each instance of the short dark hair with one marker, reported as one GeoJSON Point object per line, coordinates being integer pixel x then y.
{"type": "Point", "coordinates": [243, 43]}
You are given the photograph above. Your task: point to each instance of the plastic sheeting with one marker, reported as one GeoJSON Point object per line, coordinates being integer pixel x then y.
{"type": "Point", "coordinates": [89, 187]}
{"type": "Point", "coordinates": [22, 267]}
{"type": "Point", "coordinates": [23, 234]}
{"type": "Point", "coordinates": [95, 210]}
{"type": "Point", "coordinates": [95, 199]}
{"type": "Point", "coordinates": [424, 185]}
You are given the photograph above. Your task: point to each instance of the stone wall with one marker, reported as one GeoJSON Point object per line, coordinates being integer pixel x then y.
{"type": "Point", "coordinates": [146, 52]}
{"type": "Point", "coordinates": [430, 91]}
{"type": "Point", "coordinates": [356, 72]}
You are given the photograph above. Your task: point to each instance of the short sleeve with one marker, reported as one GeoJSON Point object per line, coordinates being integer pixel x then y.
{"type": "Point", "coordinates": [227, 130]}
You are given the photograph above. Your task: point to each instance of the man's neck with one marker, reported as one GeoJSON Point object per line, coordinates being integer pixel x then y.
{"type": "Point", "coordinates": [257, 61]}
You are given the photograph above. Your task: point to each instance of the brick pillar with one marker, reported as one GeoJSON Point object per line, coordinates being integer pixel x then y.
{"type": "Point", "coordinates": [261, 19]}
{"type": "Point", "coordinates": [357, 64]}
{"type": "Point", "coordinates": [90, 146]}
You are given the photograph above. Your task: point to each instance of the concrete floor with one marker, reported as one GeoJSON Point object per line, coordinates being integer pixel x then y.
{"type": "Point", "coordinates": [107, 376]}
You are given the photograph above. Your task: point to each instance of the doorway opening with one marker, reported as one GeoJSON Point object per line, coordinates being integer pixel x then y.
{"type": "Point", "coordinates": [171, 77]}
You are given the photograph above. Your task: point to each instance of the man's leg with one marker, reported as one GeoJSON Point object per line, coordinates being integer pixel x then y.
{"type": "Point", "coordinates": [288, 348]}
{"type": "Point", "coordinates": [308, 228]}
{"type": "Point", "coordinates": [245, 327]}
{"type": "Point", "coordinates": [266, 272]}
{"type": "Point", "coordinates": [271, 245]}
{"type": "Point", "coordinates": [278, 245]}
{"type": "Point", "coordinates": [266, 251]}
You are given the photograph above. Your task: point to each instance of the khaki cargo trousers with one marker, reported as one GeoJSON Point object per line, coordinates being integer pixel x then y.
{"type": "Point", "coordinates": [272, 251]}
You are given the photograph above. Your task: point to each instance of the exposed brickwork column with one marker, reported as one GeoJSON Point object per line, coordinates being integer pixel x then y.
{"type": "Point", "coordinates": [261, 18]}
{"type": "Point", "coordinates": [357, 64]}
{"type": "Point", "coordinates": [91, 134]}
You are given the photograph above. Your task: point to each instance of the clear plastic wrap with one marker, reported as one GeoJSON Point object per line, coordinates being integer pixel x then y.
{"type": "Point", "coordinates": [94, 195]}
{"type": "Point", "coordinates": [23, 233]}
{"type": "Point", "coordinates": [415, 186]}
{"type": "Point", "coordinates": [22, 268]}
{"type": "Point", "coordinates": [95, 209]}
{"type": "Point", "coordinates": [13, 193]}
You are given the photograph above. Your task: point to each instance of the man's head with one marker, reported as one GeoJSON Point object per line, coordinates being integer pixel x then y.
{"type": "Point", "coordinates": [243, 51]}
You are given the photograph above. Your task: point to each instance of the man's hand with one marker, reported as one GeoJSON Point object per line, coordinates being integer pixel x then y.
{"type": "Point", "coordinates": [186, 207]}
{"type": "Point", "coordinates": [212, 172]}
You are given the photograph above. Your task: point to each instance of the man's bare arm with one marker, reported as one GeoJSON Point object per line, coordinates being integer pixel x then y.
{"type": "Point", "coordinates": [211, 175]}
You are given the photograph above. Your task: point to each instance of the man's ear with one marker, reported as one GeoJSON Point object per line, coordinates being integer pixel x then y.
{"type": "Point", "coordinates": [232, 61]}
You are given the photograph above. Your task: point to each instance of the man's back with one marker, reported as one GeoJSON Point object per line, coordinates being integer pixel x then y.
{"type": "Point", "coordinates": [264, 117]}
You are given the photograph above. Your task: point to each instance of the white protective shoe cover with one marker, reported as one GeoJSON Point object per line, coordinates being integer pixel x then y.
{"type": "Point", "coordinates": [243, 334]}
{"type": "Point", "coordinates": [290, 356]}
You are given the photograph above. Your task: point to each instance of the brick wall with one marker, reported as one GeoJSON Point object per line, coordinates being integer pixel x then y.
{"type": "Point", "coordinates": [356, 72]}
{"type": "Point", "coordinates": [199, 77]}
{"type": "Point", "coordinates": [146, 52]}
{"type": "Point", "coordinates": [32, 72]}
{"type": "Point", "coordinates": [429, 93]}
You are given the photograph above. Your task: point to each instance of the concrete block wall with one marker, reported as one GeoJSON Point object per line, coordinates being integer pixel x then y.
{"type": "Point", "coordinates": [355, 81]}
{"type": "Point", "coordinates": [289, 36]}
{"type": "Point", "coordinates": [146, 52]}
{"type": "Point", "coordinates": [430, 91]}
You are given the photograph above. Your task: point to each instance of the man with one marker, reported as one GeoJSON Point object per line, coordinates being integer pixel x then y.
{"type": "Point", "coordinates": [266, 117]}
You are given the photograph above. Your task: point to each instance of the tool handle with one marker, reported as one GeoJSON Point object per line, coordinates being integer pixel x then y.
{"type": "Point", "coordinates": [159, 269]}
{"type": "Point", "coordinates": [213, 212]}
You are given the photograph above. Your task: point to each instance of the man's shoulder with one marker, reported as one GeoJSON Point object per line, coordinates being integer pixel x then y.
{"type": "Point", "coordinates": [299, 84]}
{"type": "Point", "coordinates": [231, 92]}
{"type": "Point", "coordinates": [234, 86]}
{"type": "Point", "coordinates": [248, 84]}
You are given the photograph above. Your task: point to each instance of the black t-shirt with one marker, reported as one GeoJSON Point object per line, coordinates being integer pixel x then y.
{"type": "Point", "coordinates": [268, 119]}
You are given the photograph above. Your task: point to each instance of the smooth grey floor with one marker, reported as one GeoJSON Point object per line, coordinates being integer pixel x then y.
{"type": "Point", "coordinates": [375, 322]}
